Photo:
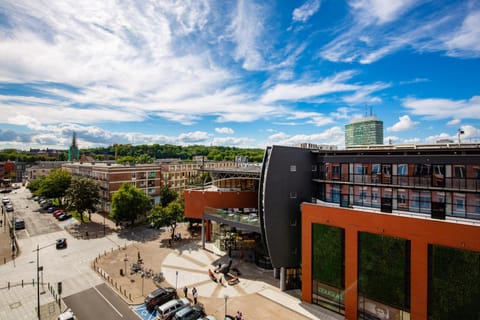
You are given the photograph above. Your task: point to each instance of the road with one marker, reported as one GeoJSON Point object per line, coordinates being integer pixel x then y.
{"type": "Point", "coordinates": [108, 306]}
{"type": "Point", "coordinates": [71, 266]}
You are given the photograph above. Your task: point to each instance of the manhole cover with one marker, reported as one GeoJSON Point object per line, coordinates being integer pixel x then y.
{"type": "Point", "coordinates": [16, 305]}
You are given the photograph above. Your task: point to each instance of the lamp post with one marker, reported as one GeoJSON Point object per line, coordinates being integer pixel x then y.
{"type": "Point", "coordinates": [226, 299]}
{"type": "Point", "coordinates": [176, 280]}
{"type": "Point", "coordinates": [38, 284]}
{"type": "Point", "coordinates": [125, 261]}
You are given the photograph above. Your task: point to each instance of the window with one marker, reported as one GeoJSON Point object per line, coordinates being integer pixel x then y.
{"type": "Point", "coordinates": [293, 194]}
{"type": "Point", "coordinates": [460, 204]}
{"type": "Point", "coordinates": [293, 168]}
{"type": "Point", "coordinates": [459, 172]}
{"type": "Point", "coordinates": [376, 169]}
{"type": "Point", "coordinates": [402, 199]}
{"type": "Point", "coordinates": [361, 169]}
{"type": "Point", "coordinates": [314, 168]}
{"type": "Point", "coordinates": [402, 169]}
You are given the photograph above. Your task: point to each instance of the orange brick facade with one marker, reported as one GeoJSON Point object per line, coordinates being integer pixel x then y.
{"type": "Point", "coordinates": [420, 232]}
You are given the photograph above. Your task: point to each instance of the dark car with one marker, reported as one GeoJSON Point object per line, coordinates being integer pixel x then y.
{"type": "Point", "coordinates": [61, 243]}
{"type": "Point", "coordinates": [190, 313]}
{"type": "Point", "coordinates": [64, 216]}
{"type": "Point", "coordinates": [159, 296]}
{"type": "Point", "coordinates": [51, 209]}
{"type": "Point", "coordinates": [19, 223]}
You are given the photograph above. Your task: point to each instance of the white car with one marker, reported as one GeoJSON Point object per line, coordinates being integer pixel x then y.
{"type": "Point", "coordinates": [67, 315]}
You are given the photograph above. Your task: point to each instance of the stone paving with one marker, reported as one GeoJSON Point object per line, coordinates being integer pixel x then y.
{"type": "Point", "coordinates": [186, 264]}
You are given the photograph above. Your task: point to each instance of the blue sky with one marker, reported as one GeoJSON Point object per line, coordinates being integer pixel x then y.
{"type": "Point", "coordinates": [238, 73]}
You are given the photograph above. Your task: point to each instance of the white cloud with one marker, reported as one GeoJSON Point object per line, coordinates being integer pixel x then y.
{"type": "Point", "coordinates": [454, 122]}
{"type": "Point", "coordinates": [331, 136]}
{"type": "Point", "coordinates": [380, 11]}
{"type": "Point", "coordinates": [233, 141]}
{"type": "Point", "coordinates": [306, 10]}
{"type": "Point", "coordinates": [373, 30]}
{"type": "Point", "coordinates": [435, 108]}
{"type": "Point", "coordinates": [224, 130]}
{"type": "Point", "coordinates": [248, 29]}
{"type": "Point", "coordinates": [303, 91]}
{"type": "Point", "coordinates": [404, 123]}
{"type": "Point", "coordinates": [465, 41]}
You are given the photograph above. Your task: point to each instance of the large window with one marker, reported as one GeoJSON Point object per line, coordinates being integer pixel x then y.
{"type": "Point", "coordinates": [384, 277]}
{"type": "Point", "coordinates": [328, 268]}
{"type": "Point", "coordinates": [453, 286]}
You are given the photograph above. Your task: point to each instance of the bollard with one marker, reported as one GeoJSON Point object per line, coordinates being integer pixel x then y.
{"type": "Point", "coordinates": [115, 285]}
{"type": "Point", "coordinates": [22, 283]}
{"type": "Point", "coordinates": [4, 260]}
{"type": "Point", "coordinates": [8, 285]}
{"type": "Point", "coordinates": [130, 296]}
{"type": "Point", "coordinates": [125, 292]}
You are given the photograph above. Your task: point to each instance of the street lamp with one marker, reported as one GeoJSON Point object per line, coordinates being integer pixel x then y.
{"type": "Point", "coordinates": [226, 299]}
{"type": "Point", "coordinates": [38, 284]}
{"type": "Point", "coordinates": [125, 260]}
{"type": "Point", "coordinates": [176, 280]}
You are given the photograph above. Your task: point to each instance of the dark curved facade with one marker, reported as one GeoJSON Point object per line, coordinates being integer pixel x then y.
{"type": "Point", "coordinates": [282, 189]}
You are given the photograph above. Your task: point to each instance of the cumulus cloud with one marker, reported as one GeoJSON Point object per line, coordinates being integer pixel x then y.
{"type": "Point", "coordinates": [404, 123]}
{"type": "Point", "coordinates": [224, 130]}
{"type": "Point", "coordinates": [306, 10]}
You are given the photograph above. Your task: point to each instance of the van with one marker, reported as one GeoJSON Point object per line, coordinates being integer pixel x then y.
{"type": "Point", "coordinates": [168, 309]}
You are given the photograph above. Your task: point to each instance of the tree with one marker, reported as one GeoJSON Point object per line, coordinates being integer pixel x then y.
{"type": "Point", "coordinates": [126, 159]}
{"type": "Point", "coordinates": [83, 195]}
{"type": "Point", "coordinates": [35, 185]}
{"type": "Point", "coordinates": [167, 195]}
{"type": "Point", "coordinates": [144, 158]}
{"type": "Point", "coordinates": [167, 216]}
{"type": "Point", "coordinates": [128, 203]}
{"type": "Point", "coordinates": [55, 185]}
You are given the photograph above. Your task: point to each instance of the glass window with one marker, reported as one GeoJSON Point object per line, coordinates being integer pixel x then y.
{"type": "Point", "coordinates": [293, 168]}
{"type": "Point", "coordinates": [459, 172]}
{"type": "Point", "coordinates": [402, 170]}
{"type": "Point", "coordinates": [376, 169]}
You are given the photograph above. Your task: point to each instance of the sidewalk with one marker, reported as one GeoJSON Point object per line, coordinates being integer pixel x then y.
{"type": "Point", "coordinates": [186, 264]}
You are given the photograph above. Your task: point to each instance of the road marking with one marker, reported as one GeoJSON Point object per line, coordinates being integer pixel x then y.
{"type": "Point", "coordinates": [104, 298]}
{"type": "Point", "coordinates": [111, 305]}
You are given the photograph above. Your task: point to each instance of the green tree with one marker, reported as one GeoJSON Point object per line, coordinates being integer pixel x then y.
{"type": "Point", "coordinates": [83, 195]}
{"type": "Point", "coordinates": [35, 185]}
{"type": "Point", "coordinates": [167, 195]}
{"type": "Point", "coordinates": [128, 203]}
{"type": "Point", "coordinates": [144, 158]}
{"type": "Point", "coordinates": [126, 159]}
{"type": "Point", "coordinates": [167, 216]}
{"type": "Point", "coordinates": [55, 185]}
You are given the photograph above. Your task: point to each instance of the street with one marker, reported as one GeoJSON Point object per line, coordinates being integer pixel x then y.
{"type": "Point", "coordinates": [71, 266]}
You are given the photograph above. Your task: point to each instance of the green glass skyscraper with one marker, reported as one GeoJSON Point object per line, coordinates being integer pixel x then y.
{"type": "Point", "coordinates": [364, 131]}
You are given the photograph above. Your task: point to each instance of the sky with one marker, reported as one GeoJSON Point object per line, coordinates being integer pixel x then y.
{"type": "Point", "coordinates": [238, 73]}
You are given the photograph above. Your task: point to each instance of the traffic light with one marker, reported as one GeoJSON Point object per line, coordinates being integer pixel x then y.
{"type": "Point", "coordinates": [59, 288]}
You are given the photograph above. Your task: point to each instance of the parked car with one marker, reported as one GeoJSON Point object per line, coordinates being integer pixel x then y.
{"type": "Point", "coordinates": [64, 216]}
{"type": "Point", "coordinates": [9, 208]}
{"type": "Point", "coordinates": [51, 209]}
{"type": "Point", "coordinates": [61, 243]}
{"type": "Point", "coordinates": [167, 310]}
{"type": "Point", "coordinates": [5, 200]}
{"type": "Point", "coordinates": [159, 296]}
{"type": "Point", "coordinates": [209, 317]}
{"type": "Point", "coordinates": [190, 313]}
{"type": "Point", "coordinates": [19, 223]}
{"type": "Point", "coordinates": [67, 315]}
{"type": "Point", "coordinates": [58, 212]}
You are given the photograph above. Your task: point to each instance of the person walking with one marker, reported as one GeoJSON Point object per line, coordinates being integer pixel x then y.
{"type": "Point", "coordinates": [195, 297]}
{"type": "Point", "coordinates": [238, 316]}
{"type": "Point", "coordinates": [185, 291]}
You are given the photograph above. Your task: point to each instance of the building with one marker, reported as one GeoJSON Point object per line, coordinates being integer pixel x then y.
{"type": "Point", "coordinates": [74, 151]}
{"type": "Point", "coordinates": [42, 169]}
{"type": "Point", "coordinates": [111, 176]}
{"type": "Point", "coordinates": [391, 230]}
{"type": "Point", "coordinates": [364, 131]}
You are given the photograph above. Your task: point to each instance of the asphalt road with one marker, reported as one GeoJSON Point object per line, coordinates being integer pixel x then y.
{"type": "Point", "coordinates": [99, 302]}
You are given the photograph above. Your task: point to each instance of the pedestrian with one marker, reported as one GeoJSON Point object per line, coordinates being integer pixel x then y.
{"type": "Point", "coordinates": [195, 297]}
{"type": "Point", "coordinates": [185, 291]}
{"type": "Point", "coordinates": [238, 316]}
